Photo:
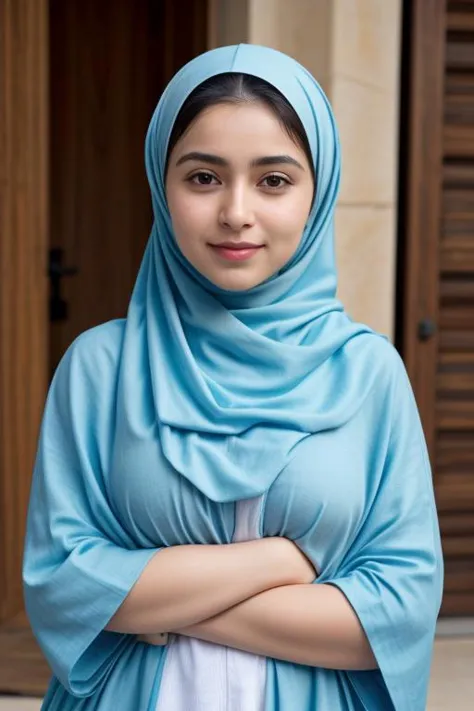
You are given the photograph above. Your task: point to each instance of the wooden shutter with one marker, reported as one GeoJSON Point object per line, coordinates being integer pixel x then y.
{"type": "Point", "coordinates": [454, 452]}
{"type": "Point", "coordinates": [439, 270]}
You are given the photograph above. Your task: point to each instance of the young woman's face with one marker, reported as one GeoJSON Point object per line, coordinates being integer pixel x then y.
{"type": "Point", "coordinates": [239, 191]}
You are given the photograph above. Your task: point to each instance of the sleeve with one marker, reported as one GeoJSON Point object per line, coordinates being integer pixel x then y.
{"type": "Point", "coordinates": [393, 575]}
{"type": "Point", "coordinates": [79, 564]}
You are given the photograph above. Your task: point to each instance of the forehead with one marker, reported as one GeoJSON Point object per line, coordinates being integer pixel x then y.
{"type": "Point", "coordinates": [237, 127]}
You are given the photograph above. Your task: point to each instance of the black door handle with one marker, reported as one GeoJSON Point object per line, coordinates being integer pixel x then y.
{"type": "Point", "coordinates": [426, 329]}
{"type": "Point", "coordinates": [58, 307]}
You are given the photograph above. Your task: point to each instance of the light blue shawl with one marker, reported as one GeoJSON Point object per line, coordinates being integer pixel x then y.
{"type": "Point", "coordinates": [247, 375]}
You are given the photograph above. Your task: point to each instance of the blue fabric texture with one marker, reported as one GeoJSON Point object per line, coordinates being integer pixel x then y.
{"type": "Point", "coordinates": [156, 425]}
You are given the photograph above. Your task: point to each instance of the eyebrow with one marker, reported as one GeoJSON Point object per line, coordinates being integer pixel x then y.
{"type": "Point", "coordinates": [256, 163]}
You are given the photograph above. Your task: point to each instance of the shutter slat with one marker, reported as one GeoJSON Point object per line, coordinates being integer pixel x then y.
{"type": "Point", "coordinates": [458, 141]}
{"type": "Point", "coordinates": [455, 524]}
{"type": "Point", "coordinates": [458, 546]}
{"type": "Point", "coordinates": [460, 21]}
{"type": "Point", "coordinates": [456, 415]}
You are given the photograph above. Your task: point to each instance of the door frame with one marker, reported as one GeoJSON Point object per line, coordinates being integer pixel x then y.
{"type": "Point", "coordinates": [421, 160]}
{"type": "Point", "coordinates": [23, 306]}
{"type": "Point", "coordinates": [23, 278]}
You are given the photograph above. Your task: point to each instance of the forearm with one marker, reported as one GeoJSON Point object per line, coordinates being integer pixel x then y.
{"type": "Point", "coordinates": [183, 585]}
{"type": "Point", "coordinates": [308, 624]}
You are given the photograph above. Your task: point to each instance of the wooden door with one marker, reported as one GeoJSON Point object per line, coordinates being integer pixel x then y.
{"type": "Point", "coordinates": [438, 223]}
{"type": "Point", "coordinates": [110, 61]}
{"type": "Point", "coordinates": [23, 316]}
{"type": "Point", "coordinates": [78, 82]}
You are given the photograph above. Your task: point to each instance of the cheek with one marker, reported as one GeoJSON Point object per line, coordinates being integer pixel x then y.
{"type": "Point", "coordinates": [191, 216]}
{"type": "Point", "coordinates": [285, 221]}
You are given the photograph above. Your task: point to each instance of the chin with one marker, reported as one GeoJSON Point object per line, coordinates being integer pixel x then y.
{"type": "Point", "coordinates": [235, 284]}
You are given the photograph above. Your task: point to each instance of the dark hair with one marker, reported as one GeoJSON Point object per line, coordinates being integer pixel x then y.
{"type": "Point", "coordinates": [232, 87]}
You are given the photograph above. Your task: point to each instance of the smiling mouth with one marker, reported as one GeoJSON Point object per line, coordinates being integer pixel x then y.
{"type": "Point", "coordinates": [236, 253]}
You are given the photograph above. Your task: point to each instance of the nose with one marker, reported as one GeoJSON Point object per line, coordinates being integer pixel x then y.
{"type": "Point", "coordinates": [236, 212]}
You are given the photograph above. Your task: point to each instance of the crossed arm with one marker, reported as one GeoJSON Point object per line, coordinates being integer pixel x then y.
{"type": "Point", "coordinates": [254, 596]}
{"type": "Point", "coordinates": [306, 624]}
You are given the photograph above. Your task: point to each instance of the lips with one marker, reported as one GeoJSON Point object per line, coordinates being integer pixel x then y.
{"type": "Point", "coordinates": [236, 251]}
{"type": "Point", "coordinates": [238, 245]}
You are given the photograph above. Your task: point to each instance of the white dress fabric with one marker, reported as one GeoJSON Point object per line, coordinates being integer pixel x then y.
{"type": "Point", "coordinates": [200, 676]}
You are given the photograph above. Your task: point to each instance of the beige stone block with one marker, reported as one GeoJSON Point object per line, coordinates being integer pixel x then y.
{"type": "Point", "coordinates": [368, 127]}
{"type": "Point", "coordinates": [365, 249]}
{"type": "Point", "coordinates": [300, 28]}
{"type": "Point", "coordinates": [367, 41]}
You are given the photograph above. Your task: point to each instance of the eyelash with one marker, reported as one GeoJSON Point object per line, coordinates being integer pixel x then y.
{"type": "Point", "coordinates": [192, 180]}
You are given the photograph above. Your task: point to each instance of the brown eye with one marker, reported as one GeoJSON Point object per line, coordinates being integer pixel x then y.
{"type": "Point", "coordinates": [275, 182]}
{"type": "Point", "coordinates": [202, 178]}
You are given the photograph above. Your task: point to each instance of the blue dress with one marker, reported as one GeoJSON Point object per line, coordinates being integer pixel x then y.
{"type": "Point", "coordinates": [358, 500]}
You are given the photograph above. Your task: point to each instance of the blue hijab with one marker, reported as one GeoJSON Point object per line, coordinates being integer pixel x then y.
{"type": "Point", "coordinates": [234, 380]}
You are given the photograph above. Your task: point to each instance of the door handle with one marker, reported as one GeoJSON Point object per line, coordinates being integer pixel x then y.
{"type": "Point", "coordinates": [58, 307]}
{"type": "Point", "coordinates": [426, 329]}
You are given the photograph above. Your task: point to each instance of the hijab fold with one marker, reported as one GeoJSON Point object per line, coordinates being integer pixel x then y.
{"type": "Point", "coordinates": [237, 379]}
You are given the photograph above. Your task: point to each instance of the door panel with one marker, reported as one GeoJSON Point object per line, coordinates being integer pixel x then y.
{"type": "Point", "coordinates": [78, 83]}
{"type": "Point", "coordinates": [103, 80]}
{"type": "Point", "coordinates": [109, 64]}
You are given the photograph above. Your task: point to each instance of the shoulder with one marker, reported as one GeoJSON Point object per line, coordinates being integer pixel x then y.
{"type": "Point", "coordinates": [81, 396]}
{"type": "Point", "coordinates": [380, 367]}
{"type": "Point", "coordinates": [94, 356]}
{"type": "Point", "coordinates": [101, 343]}
{"type": "Point", "coordinates": [375, 351]}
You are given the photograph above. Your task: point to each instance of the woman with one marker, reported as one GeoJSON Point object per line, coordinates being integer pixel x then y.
{"type": "Point", "coordinates": [232, 507]}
